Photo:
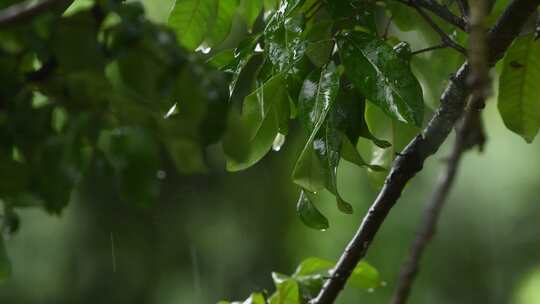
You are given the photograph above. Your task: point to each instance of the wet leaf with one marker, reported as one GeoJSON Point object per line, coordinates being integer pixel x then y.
{"type": "Point", "coordinates": [309, 214]}
{"type": "Point", "coordinates": [519, 101]}
{"type": "Point", "coordinates": [382, 76]}
{"type": "Point", "coordinates": [264, 114]}
{"type": "Point", "coordinates": [191, 20]}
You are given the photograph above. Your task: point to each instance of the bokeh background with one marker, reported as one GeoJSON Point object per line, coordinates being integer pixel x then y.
{"type": "Point", "coordinates": [220, 235]}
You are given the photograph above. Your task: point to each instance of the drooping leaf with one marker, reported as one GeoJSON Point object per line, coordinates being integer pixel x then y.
{"type": "Point", "coordinates": [398, 133]}
{"type": "Point", "coordinates": [519, 101]}
{"type": "Point", "coordinates": [283, 37]}
{"type": "Point", "coordinates": [309, 214]}
{"type": "Point", "coordinates": [250, 10]}
{"type": "Point", "coordinates": [265, 113]}
{"type": "Point", "coordinates": [382, 76]}
{"type": "Point", "coordinates": [318, 94]}
{"type": "Point", "coordinates": [191, 20]}
{"type": "Point", "coordinates": [221, 27]}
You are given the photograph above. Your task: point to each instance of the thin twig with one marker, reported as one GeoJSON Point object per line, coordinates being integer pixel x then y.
{"type": "Point", "coordinates": [25, 10]}
{"type": "Point", "coordinates": [479, 79]}
{"type": "Point", "coordinates": [411, 160]}
{"type": "Point", "coordinates": [433, 209]}
{"type": "Point", "coordinates": [445, 39]}
{"type": "Point", "coordinates": [428, 49]}
{"type": "Point", "coordinates": [387, 27]}
{"type": "Point", "coordinates": [440, 11]}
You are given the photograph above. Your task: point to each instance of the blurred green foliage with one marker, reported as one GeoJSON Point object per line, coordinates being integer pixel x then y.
{"type": "Point", "coordinates": [131, 111]}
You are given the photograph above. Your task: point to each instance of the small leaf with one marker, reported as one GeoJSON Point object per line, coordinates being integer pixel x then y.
{"type": "Point", "coordinates": [191, 20]}
{"type": "Point", "coordinates": [382, 76]}
{"type": "Point", "coordinates": [287, 291]}
{"type": "Point", "coordinates": [365, 276]}
{"type": "Point", "coordinates": [221, 27]}
{"type": "Point", "coordinates": [519, 101]}
{"type": "Point", "coordinates": [250, 10]}
{"type": "Point", "coordinates": [313, 265]}
{"type": "Point", "coordinates": [309, 214]}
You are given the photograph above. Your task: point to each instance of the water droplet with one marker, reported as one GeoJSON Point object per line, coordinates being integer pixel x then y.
{"type": "Point", "coordinates": [258, 48]}
{"type": "Point", "coordinates": [172, 111]}
{"type": "Point", "coordinates": [371, 290]}
{"type": "Point", "coordinates": [203, 48]}
{"type": "Point", "coordinates": [279, 140]}
{"type": "Point", "coordinates": [383, 283]}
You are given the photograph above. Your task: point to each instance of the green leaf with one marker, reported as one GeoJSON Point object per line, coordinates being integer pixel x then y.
{"type": "Point", "coordinates": [318, 94]}
{"type": "Point", "coordinates": [519, 99]}
{"type": "Point", "coordinates": [250, 10]}
{"type": "Point", "coordinates": [398, 133]}
{"type": "Point", "coordinates": [287, 291]}
{"type": "Point", "coordinates": [240, 58]}
{"type": "Point", "coordinates": [382, 76]}
{"type": "Point", "coordinates": [5, 264]}
{"type": "Point", "coordinates": [284, 44]}
{"type": "Point", "coordinates": [309, 214]}
{"type": "Point", "coordinates": [222, 60]}
{"type": "Point", "coordinates": [191, 20]}
{"type": "Point", "coordinates": [365, 276]}
{"type": "Point", "coordinates": [254, 298]}
{"type": "Point", "coordinates": [264, 115]}
{"type": "Point", "coordinates": [221, 28]}
{"type": "Point", "coordinates": [313, 265]}
{"type": "Point", "coordinates": [319, 42]}
{"type": "Point", "coordinates": [401, 15]}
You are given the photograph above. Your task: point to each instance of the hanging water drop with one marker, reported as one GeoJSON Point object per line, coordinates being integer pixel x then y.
{"type": "Point", "coordinates": [172, 111]}
{"type": "Point", "coordinates": [203, 48]}
{"type": "Point", "coordinates": [279, 140]}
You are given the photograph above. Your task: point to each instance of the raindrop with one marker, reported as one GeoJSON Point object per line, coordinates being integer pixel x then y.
{"type": "Point", "coordinates": [371, 290]}
{"type": "Point", "coordinates": [279, 140]}
{"type": "Point", "coordinates": [172, 111]}
{"type": "Point", "coordinates": [203, 48]}
{"type": "Point", "coordinates": [258, 48]}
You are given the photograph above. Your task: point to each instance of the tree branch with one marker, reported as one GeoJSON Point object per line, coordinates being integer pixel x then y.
{"type": "Point", "coordinates": [24, 10]}
{"type": "Point", "coordinates": [411, 160]}
{"type": "Point", "coordinates": [444, 37]}
{"type": "Point", "coordinates": [468, 135]}
{"type": "Point", "coordinates": [440, 11]}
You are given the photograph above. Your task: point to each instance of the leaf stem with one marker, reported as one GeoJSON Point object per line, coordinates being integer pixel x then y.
{"type": "Point", "coordinates": [428, 49]}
